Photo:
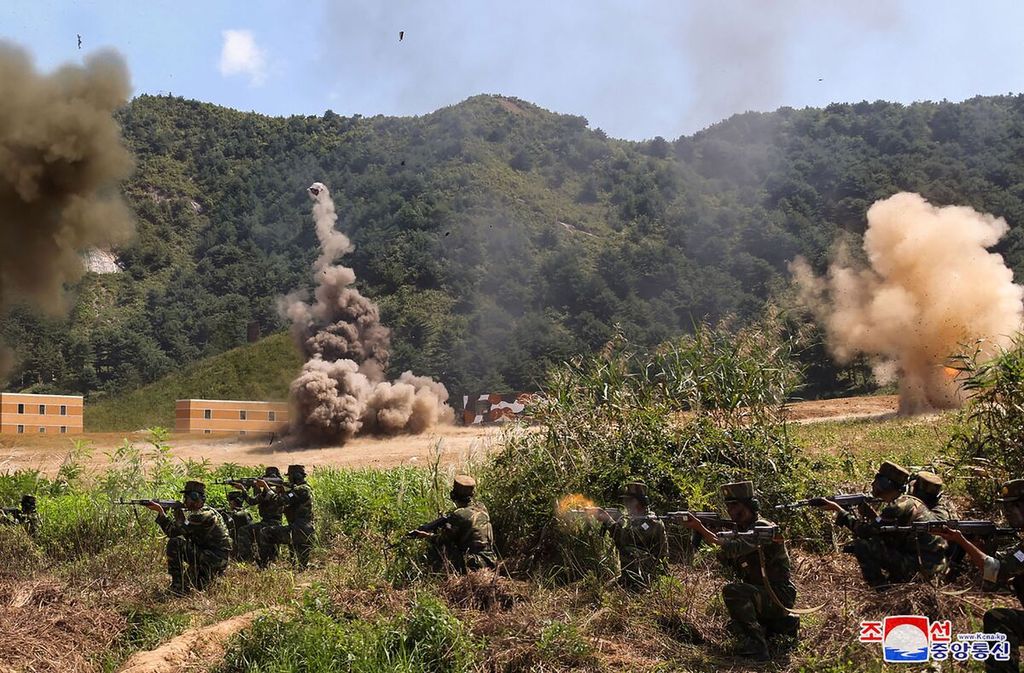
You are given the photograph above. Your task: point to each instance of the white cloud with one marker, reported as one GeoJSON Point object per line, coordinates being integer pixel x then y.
{"type": "Point", "coordinates": [241, 56]}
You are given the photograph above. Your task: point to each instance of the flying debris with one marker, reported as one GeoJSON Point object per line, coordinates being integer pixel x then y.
{"type": "Point", "coordinates": [401, 34]}
{"type": "Point", "coordinates": [79, 40]}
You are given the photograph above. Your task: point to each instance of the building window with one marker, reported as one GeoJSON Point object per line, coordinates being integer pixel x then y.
{"type": "Point", "coordinates": [63, 429]}
{"type": "Point", "coordinates": [63, 410]}
{"type": "Point", "coordinates": [21, 408]}
{"type": "Point", "coordinates": [206, 432]}
{"type": "Point", "coordinates": [21, 429]}
{"type": "Point", "coordinates": [42, 429]}
{"type": "Point", "coordinates": [241, 415]}
{"type": "Point", "coordinates": [271, 416]}
{"type": "Point", "coordinates": [207, 414]}
{"type": "Point", "coordinates": [241, 432]}
{"type": "Point", "coordinates": [42, 409]}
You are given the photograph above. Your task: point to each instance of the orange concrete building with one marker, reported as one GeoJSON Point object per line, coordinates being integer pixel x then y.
{"type": "Point", "coordinates": [242, 417]}
{"type": "Point", "coordinates": [40, 414]}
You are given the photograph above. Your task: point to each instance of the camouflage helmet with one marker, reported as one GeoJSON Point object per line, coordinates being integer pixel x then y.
{"type": "Point", "coordinates": [195, 487]}
{"type": "Point", "coordinates": [928, 483]}
{"type": "Point", "coordinates": [28, 503]}
{"type": "Point", "coordinates": [236, 496]}
{"type": "Point", "coordinates": [740, 491]}
{"type": "Point", "coordinates": [1011, 491]}
{"type": "Point", "coordinates": [463, 487]}
{"type": "Point", "coordinates": [893, 473]}
{"type": "Point", "coordinates": [271, 471]}
{"type": "Point", "coordinates": [635, 489]}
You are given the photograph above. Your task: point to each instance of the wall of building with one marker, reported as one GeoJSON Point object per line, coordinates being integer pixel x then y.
{"type": "Point", "coordinates": [226, 416]}
{"type": "Point", "coordinates": [21, 413]}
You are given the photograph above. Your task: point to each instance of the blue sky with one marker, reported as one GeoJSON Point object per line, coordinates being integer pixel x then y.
{"type": "Point", "coordinates": [636, 69]}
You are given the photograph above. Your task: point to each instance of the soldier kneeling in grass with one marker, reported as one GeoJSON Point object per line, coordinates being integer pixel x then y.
{"type": "Point", "coordinates": [1005, 568]}
{"type": "Point", "coordinates": [759, 602]}
{"type": "Point", "coordinates": [198, 544]}
{"type": "Point", "coordinates": [462, 539]}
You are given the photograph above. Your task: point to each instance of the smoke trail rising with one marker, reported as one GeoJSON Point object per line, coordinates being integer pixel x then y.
{"type": "Point", "coordinates": [932, 287]}
{"type": "Point", "coordinates": [61, 159]}
{"type": "Point", "coordinates": [341, 390]}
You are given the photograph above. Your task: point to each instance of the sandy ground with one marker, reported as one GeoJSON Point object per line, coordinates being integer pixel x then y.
{"type": "Point", "coordinates": [194, 650]}
{"type": "Point", "coordinates": [455, 444]}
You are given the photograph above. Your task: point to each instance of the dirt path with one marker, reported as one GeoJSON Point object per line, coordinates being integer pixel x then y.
{"type": "Point", "coordinates": [454, 443]}
{"type": "Point", "coordinates": [194, 650]}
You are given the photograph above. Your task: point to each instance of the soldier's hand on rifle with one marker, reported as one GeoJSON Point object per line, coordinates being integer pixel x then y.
{"type": "Point", "coordinates": [262, 484]}
{"type": "Point", "coordinates": [825, 503]}
{"type": "Point", "coordinates": [867, 511]}
{"type": "Point", "coordinates": [948, 533]}
{"type": "Point", "coordinates": [156, 507]}
{"type": "Point", "coordinates": [598, 513]}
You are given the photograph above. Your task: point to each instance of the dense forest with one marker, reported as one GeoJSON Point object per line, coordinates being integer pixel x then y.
{"type": "Point", "coordinates": [497, 237]}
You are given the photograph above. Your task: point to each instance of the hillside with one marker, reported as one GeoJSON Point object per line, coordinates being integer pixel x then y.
{"type": "Point", "coordinates": [258, 371]}
{"type": "Point", "coordinates": [498, 237]}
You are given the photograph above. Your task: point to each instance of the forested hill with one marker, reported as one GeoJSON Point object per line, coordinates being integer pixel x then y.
{"type": "Point", "coordinates": [497, 236]}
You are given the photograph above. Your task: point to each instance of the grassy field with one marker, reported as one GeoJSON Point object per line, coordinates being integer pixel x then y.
{"type": "Point", "coordinates": [88, 592]}
{"type": "Point", "coordinates": [258, 371]}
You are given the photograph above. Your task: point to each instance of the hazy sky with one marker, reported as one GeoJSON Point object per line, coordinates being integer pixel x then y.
{"type": "Point", "coordinates": [636, 69]}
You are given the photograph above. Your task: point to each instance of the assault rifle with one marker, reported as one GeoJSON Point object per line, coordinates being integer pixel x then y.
{"type": "Point", "coordinates": [756, 535]}
{"type": "Point", "coordinates": [844, 500]}
{"type": "Point", "coordinates": [711, 520]}
{"type": "Point", "coordinates": [613, 512]}
{"type": "Point", "coordinates": [14, 512]}
{"type": "Point", "coordinates": [249, 482]}
{"type": "Point", "coordinates": [430, 527]}
{"type": "Point", "coordinates": [969, 527]}
{"type": "Point", "coordinates": [166, 504]}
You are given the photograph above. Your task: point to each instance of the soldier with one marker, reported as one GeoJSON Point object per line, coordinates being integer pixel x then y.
{"type": "Point", "coordinates": [239, 524]}
{"type": "Point", "coordinates": [759, 602]}
{"type": "Point", "coordinates": [463, 538]}
{"type": "Point", "coordinates": [891, 558]}
{"type": "Point", "coordinates": [927, 487]}
{"type": "Point", "coordinates": [296, 502]}
{"type": "Point", "coordinates": [270, 509]}
{"type": "Point", "coordinates": [197, 538]}
{"type": "Point", "coordinates": [639, 536]}
{"type": "Point", "coordinates": [1006, 567]}
{"type": "Point", "coordinates": [25, 516]}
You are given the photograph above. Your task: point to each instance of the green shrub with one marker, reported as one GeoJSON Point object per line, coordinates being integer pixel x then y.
{"type": "Point", "coordinates": [562, 645]}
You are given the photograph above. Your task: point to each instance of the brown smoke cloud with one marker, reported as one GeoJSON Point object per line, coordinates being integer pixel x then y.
{"type": "Point", "coordinates": [61, 160]}
{"type": "Point", "coordinates": [341, 390]}
{"type": "Point", "coordinates": [931, 288]}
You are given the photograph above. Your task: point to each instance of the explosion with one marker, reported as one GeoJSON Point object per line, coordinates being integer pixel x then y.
{"type": "Point", "coordinates": [341, 390]}
{"type": "Point", "coordinates": [931, 290]}
{"type": "Point", "coordinates": [61, 160]}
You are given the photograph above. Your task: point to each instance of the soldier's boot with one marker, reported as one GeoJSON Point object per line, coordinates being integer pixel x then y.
{"type": "Point", "coordinates": [784, 632]}
{"type": "Point", "coordinates": [748, 643]}
{"type": "Point", "coordinates": [1010, 622]}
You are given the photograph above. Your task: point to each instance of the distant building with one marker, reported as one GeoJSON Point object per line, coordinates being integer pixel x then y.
{"type": "Point", "coordinates": [242, 417]}
{"type": "Point", "coordinates": [40, 414]}
{"type": "Point", "coordinates": [493, 407]}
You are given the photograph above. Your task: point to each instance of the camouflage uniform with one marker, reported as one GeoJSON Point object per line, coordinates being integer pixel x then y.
{"type": "Point", "coordinates": [1006, 567]}
{"type": "Point", "coordinates": [465, 539]}
{"type": "Point", "coordinates": [26, 516]}
{"type": "Point", "coordinates": [754, 615]}
{"type": "Point", "coordinates": [197, 539]}
{"type": "Point", "coordinates": [271, 511]}
{"type": "Point", "coordinates": [239, 525]}
{"type": "Point", "coordinates": [641, 541]}
{"type": "Point", "coordinates": [297, 505]}
{"type": "Point", "coordinates": [894, 558]}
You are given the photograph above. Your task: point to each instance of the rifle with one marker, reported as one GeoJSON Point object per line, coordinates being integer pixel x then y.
{"type": "Point", "coordinates": [970, 527]}
{"type": "Point", "coordinates": [613, 512]}
{"type": "Point", "coordinates": [249, 482]}
{"type": "Point", "coordinates": [429, 527]}
{"type": "Point", "coordinates": [711, 520]}
{"type": "Point", "coordinates": [844, 500]}
{"type": "Point", "coordinates": [166, 504]}
{"type": "Point", "coordinates": [756, 535]}
{"type": "Point", "coordinates": [14, 512]}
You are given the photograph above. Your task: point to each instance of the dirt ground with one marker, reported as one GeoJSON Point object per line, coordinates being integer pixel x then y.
{"type": "Point", "coordinates": [455, 444]}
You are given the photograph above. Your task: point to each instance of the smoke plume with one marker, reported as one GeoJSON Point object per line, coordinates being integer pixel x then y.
{"type": "Point", "coordinates": [931, 288]}
{"type": "Point", "coordinates": [341, 390]}
{"type": "Point", "coordinates": [61, 159]}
